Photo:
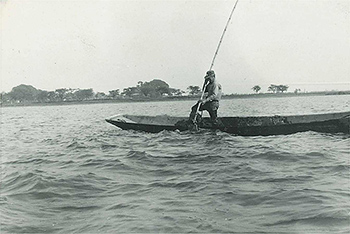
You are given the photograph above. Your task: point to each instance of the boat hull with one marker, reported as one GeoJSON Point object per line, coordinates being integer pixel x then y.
{"type": "Point", "coordinates": [142, 127]}
{"type": "Point", "coordinates": [244, 126]}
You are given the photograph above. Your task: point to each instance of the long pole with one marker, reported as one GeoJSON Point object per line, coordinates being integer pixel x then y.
{"type": "Point", "coordinates": [212, 63]}
{"type": "Point", "coordinates": [222, 36]}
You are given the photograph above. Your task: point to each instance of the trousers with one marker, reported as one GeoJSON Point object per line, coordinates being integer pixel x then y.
{"type": "Point", "coordinates": [212, 108]}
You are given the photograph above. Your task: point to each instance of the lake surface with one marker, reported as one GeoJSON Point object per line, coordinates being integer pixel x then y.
{"type": "Point", "coordinates": [65, 170]}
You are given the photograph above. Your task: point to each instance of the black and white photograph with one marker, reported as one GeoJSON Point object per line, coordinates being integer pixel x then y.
{"type": "Point", "coordinates": [175, 116]}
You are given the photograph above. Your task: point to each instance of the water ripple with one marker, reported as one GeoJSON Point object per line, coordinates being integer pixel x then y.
{"type": "Point", "coordinates": [64, 170]}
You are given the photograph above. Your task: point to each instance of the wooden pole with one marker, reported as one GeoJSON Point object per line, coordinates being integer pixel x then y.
{"type": "Point", "coordinates": [212, 63]}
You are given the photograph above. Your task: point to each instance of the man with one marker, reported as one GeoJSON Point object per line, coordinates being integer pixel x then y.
{"type": "Point", "coordinates": [211, 98]}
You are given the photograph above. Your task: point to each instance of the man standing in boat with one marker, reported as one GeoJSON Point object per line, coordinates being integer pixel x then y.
{"type": "Point", "coordinates": [210, 100]}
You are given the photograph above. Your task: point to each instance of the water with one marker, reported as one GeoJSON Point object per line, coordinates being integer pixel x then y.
{"type": "Point", "coordinates": [65, 170]}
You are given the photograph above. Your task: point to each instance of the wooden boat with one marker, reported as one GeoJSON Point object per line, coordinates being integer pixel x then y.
{"type": "Point", "coordinates": [244, 126]}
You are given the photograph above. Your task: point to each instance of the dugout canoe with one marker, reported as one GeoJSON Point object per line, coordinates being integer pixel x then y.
{"type": "Point", "coordinates": [244, 126]}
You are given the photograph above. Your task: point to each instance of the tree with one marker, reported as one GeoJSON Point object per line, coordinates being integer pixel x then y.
{"type": "Point", "coordinates": [42, 96]}
{"type": "Point", "coordinates": [139, 84]}
{"type": "Point", "coordinates": [278, 88]}
{"type": "Point", "coordinates": [176, 92]}
{"type": "Point", "coordinates": [51, 96]}
{"type": "Point", "coordinates": [61, 93]}
{"type": "Point", "coordinates": [256, 88]}
{"type": "Point", "coordinates": [163, 90]}
{"type": "Point", "coordinates": [130, 91]}
{"type": "Point", "coordinates": [83, 94]}
{"type": "Point", "coordinates": [24, 93]}
{"type": "Point", "coordinates": [282, 88]}
{"type": "Point", "coordinates": [70, 95]}
{"type": "Point", "coordinates": [272, 88]}
{"type": "Point", "coordinates": [194, 90]}
{"type": "Point", "coordinates": [101, 95]}
{"type": "Point", "coordinates": [146, 90]}
{"type": "Point", "coordinates": [5, 97]}
{"type": "Point", "coordinates": [114, 93]}
{"type": "Point", "coordinates": [297, 91]}
{"type": "Point", "coordinates": [154, 88]}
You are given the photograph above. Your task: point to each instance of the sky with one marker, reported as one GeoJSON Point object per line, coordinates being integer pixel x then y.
{"type": "Point", "coordinates": [107, 45]}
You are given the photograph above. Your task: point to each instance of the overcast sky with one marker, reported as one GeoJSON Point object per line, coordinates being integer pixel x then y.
{"type": "Point", "coordinates": [113, 44]}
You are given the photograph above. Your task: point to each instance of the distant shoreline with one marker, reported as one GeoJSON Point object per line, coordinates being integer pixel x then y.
{"type": "Point", "coordinates": [171, 98]}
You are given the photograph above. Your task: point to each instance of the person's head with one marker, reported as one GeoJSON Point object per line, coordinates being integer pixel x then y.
{"type": "Point", "coordinates": [210, 76]}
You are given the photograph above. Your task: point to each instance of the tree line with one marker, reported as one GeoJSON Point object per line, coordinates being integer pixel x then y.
{"type": "Point", "coordinates": [153, 89]}
{"type": "Point", "coordinates": [273, 88]}
{"type": "Point", "coordinates": [28, 93]}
